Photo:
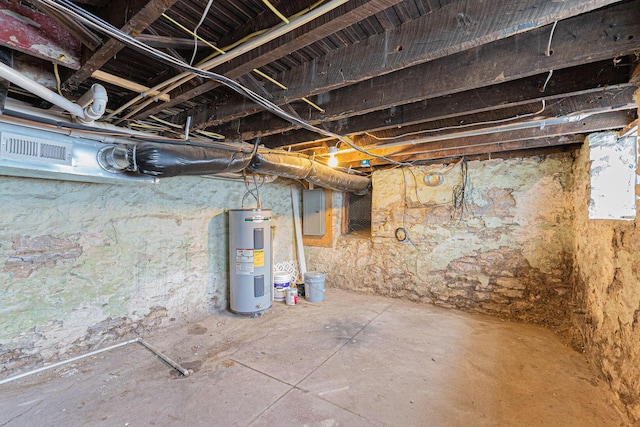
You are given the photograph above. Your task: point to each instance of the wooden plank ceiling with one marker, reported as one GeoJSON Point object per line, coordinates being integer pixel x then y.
{"type": "Point", "coordinates": [411, 80]}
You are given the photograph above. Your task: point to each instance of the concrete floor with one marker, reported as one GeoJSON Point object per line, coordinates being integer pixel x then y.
{"type": "Point", "coordinates": [352, 360]}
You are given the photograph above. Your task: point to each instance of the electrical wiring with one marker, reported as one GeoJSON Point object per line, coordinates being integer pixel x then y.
{"type": "Point", "coordinates": [309, 9]}
{"type": "Point", "coordinates": [444, 172]}
{"type": "Point", "coordinates": [191, 33]}
{"type": "Point", "coordinates": [200, 132]}
{"type": "Point", "coordinates": [56, 73]}
{"type": "Point", "coordinates": [460, 192]}
{"type": "Point", "coordinates": [257, 187]}
{"type": "Point", "coordinates": [544, 86]}
{"type": "Point", "coordinates": [275, 11]}
{"type": "Point", "coordinates": [81, 15]}
{"type": "Point", "coordinates": [223, 51]}
{"type": "Point", "coordinates": [195, 31]}
{"type": "Point", "coordinates": [548, 52]}
{"type": "Point", "coordinates": [283, 87]}
{"type": "Point", "coordinates": [176, 81]}
{"type": "Point", "coordinates": [250, 192]}
{"type": "Point", "coordinates": [210, 134]}
{"type": "Point", "coordinates": [205, 64]}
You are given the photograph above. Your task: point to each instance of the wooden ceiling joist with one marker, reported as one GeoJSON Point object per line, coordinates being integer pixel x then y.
{"type": "Point", "coordinates": [319, 28]}
{"type": "Point", "coordinates": [506, 59]}
{"type": "Point", "coordinates": [590, 78]}
{"type": "Point", "coordinates": [148, 12]}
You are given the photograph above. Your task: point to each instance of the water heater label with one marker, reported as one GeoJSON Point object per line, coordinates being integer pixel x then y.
{"type": "Point", "coordinates": [245, 261]}
{"type": "Point", "coordinates": [258, 258]}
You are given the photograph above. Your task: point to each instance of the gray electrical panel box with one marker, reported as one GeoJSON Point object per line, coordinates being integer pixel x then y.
{"type": "Point", "coordinates": [313, 212]}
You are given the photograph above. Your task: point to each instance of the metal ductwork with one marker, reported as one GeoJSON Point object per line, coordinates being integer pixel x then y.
{"type": "Point", "coordinates": [31, 151]}
{"type": "Point", "coordinates": [36, 153]}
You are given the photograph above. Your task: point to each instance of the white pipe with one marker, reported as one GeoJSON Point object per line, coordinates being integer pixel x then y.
{"type": "Point", "coordinates": [142, 342]}
{"type": "Point", "coordinates": [18, 79]}
{"type": "Point", "coordinates": [295, 202]}
{"type": "Point", "coordinates": [487, 131]}
{"type": "Point", "coordinates": [22, 108]}
{"type": "Point", "coordinates": [64, 362]}
{"type": "Point", "coordinates": [90, 107]}
{"type": "Point", "coordinates": [94, 103]}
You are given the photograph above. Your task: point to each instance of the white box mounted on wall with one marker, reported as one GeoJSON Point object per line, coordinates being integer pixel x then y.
{"type": "Point", "coordinates": [614, 162]}
{"type": "Point", "coordinates": [313, 212]}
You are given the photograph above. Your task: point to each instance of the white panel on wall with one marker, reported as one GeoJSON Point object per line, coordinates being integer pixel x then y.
{"type": "Point", "coordinates": [613, 176]}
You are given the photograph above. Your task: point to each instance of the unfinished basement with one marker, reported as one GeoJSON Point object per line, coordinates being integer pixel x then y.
{"type": "Point", "coordinates": [319, 213]}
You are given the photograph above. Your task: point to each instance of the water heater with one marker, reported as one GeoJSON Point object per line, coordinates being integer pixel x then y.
{"type": "Point", "coordinates": [250, 260]}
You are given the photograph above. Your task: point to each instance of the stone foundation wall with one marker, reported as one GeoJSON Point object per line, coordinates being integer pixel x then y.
{"type": "Point", "coordinates": [508, 252]}
{"type": "Point", "coordinates": [607, 304]}
{"type": "Point", "coordinates": [82, 265]}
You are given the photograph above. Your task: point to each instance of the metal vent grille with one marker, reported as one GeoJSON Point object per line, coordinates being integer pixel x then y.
{"type": "Point", "coordinates": [21, 147]}
{"type": "Point", "coordinates": [359, 213]}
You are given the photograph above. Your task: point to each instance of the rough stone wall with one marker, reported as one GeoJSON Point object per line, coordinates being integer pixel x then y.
{"type": "Point", "coordinates": [84, 264]}
{"type": "Point", "coordinates": [508, 253]}
{"type": "Point", "coordinates": [607, 305]}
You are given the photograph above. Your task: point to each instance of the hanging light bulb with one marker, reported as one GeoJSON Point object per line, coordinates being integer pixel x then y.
{"type": "Point", "coordinates": [333, 161]}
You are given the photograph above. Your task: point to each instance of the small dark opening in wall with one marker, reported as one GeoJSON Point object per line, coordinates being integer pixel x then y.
{"type": "Point", "coordinates": [359, 213]}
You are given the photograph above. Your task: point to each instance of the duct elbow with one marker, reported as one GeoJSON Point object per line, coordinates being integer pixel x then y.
{"type": "Point", "coordinates": [115, 159]}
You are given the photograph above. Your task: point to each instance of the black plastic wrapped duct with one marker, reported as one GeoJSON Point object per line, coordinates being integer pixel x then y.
{"type": "Point", "coordinates": [166, 160]}
{"type": "Point", "coordinates": [297, 167]}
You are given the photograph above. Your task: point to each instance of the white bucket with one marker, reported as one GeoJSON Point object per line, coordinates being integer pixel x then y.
{"type": "Point", "coordinates": [314, 286]}
{"type": "Point", "coordinates": [281, 282]}
{"type": "Point", "coordinates": [282, 279]}
{"type": "Point", "coordinates": [279, 293]}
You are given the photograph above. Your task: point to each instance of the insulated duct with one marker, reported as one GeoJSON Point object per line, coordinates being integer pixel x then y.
{"type": "Point", "coordinates": [297, 167]}
{"type": "Point", "coordinates": [167, 160]}
{"type": "Point", "coordinates": [51, 147]}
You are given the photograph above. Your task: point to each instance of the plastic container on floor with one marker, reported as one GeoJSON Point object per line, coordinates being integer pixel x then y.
{"type": "Point", "coordinates": [314, 286]}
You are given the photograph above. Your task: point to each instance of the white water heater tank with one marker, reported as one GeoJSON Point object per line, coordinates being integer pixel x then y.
{"type": "Point", "coordinates": [250, 260]}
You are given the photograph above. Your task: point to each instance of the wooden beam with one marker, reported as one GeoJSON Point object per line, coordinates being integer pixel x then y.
{"type": "Point", "coordinates": [265, 19]}
{"type": "Point", "coordinates": [364, 68]}
{"type": "Point", "coordinates": [595, 78]}
{"type": "Point", "coordinates": [491, 142]}
{"type": "Point", "coordinates": [140, 20]}
{"type": "Point", "coordinates": [342, 17]}
{"type": "Point", "coordinates": [30, 31]}
{"type": "Point", "coordinates": [127, 84]}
